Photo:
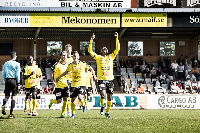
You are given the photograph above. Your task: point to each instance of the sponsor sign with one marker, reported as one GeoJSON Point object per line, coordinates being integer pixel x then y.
{"type": "Point", "coordinates": [186, 20]}
{"type": "Point", "coordinates": [165, 3]}
{"type": "Point", "coordinates": [123, 101]}
{"type": "Point", "coordinates": [14, 20]}
{"type": "Point", "coordinates": [59, 20]}
{"type": "Point", "coordinates": [67, 3]}
{"type": "Point", "coordinates": [74, 20]}
{"type": "Point", "coordinates": [118, 102]}
{"type": "Point", "coordinates": [144, 20]}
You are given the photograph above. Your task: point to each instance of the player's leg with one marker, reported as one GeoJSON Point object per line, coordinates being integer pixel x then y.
{"type": "Point", "coordinates": [73, 106]}
{"type": "Point", "coordinates": [58, 97]}
{"type": "Point", "coordinates": [80, 97]}
{"type": "Point", "coordinates": [64, 94]}
{"type": "Point", "coordinates": [34, 101]}
{"type": "Point", "coordinates": [26, 99]}
{"type": "Point", "coordinates": [68, 100]}
{"type": "Point", "coordinates": [102, 100]}
{"type": "Point", "coordinates": [89, 91]}
{"type": "Point", "coordinates": [73, 97]}
{"type": "Point", "coordinates": [14, 93]}
{"type": "Point", "coordinates": [7, 95]}
{"type": "Point", "coordinates": [109, 92]}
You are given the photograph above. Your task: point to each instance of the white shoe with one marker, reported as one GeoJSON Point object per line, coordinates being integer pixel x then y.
{"type": "Point", "coordinates": [69, 113]}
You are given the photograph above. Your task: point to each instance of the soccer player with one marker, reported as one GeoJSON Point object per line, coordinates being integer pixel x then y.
{"type": "Point", "coordinates": [89, 81]}
{"type": "Point", "coordinates": [11, 76]}
{"type": "Point", "coordinates": [68, 49]}
{"type": "Point", "coordinates": [105, 73]}
{"type": "Point", "coordinates": [77, 69]}
{"type": "Point", "coordinates": [61, 86]}
{"type": "Point", "coordinates": [30, 76]}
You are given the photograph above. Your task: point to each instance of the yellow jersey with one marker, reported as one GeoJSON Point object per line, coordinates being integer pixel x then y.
{"type": "Point", "coordinates": [78, 73]}
{"type": "Point", "coordinates": [32, 80]}
{"type": "Point", "coordinates": [104, 63]}
{"type": "Point", "coordinates": [68, 61]}
{"type": "Point", "coordinates": [88, 78]}
{"type": "Point", "coordinates": [58, 70]}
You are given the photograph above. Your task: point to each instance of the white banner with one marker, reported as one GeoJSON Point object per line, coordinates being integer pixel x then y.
{"type": "Point", "coordinates": [14, 20]}
{"type": "Point", "coordinates": [67, 3]}
{"type": "Point", "coordinates": [123, 101]}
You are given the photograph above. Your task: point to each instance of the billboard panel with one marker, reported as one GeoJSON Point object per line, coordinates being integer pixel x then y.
{"type": "Point", "coordinates": [67, 3]}
{"type": "Point", "coordinates": [144, 20]}
{"type": "Point", "coordinates": [14, 20]}
{"type": "Point", "coordinates": [74, 20]}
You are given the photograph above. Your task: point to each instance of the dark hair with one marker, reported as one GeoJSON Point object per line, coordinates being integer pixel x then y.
{"type": "Point", "coordinates": [13, 54]}
{"type": "Point", "coordinates": [74, 52]}
{"type": "Point", "coordinates": [29, 59]}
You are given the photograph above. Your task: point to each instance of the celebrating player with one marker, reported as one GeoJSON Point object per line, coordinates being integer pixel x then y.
{"type": "Point", "coordinates": [77, 68]}
{"type": "Point", "coordinates": [105, 73]}
{"type": "Point", "coordinates": [31, 76]}
{"type": "Point", "coordinates": [61, 86]}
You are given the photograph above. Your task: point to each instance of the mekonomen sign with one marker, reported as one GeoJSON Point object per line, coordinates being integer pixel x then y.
{"type": "Point", "coordinates": [59, 20]}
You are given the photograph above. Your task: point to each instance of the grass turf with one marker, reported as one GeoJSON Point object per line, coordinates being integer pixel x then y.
{"type": "Point", "coordinates": [91, 121]}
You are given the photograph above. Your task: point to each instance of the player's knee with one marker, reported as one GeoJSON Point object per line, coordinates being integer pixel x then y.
{"type": "Point", "coordinates": [59, 101]}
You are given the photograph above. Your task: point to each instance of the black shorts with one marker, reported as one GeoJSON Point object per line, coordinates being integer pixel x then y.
{"type": "Point", "coordinates": [107, 85]}
{"type": "Point", "coordinates": [30, 90]}
{"type": "Point", "coordinates": [61, 92]}
{"type": "Point", "coordinates": [10, 86]}
{"type": "Point", "coordinates": [89, 91]}
{"type": "Point", "coordinates": [78, 90]}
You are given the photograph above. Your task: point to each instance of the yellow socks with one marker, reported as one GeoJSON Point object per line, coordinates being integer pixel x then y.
{"type": "Point", "coordinates": [54, 101]}
{"type": "Point", "coordinates": [30, 105]}
{"type": "Point", "coordinates": [34, 104]}
{"type": "Point", "coordinates": [68, 104]}
{"type": "Point", "coordinates": [82, 102]}
{"type": "Point", "coordinates": [102, 102]}
{"type": "Point", "coordinates": [86, 102]}
{"type": "Point", "coordinates": [26, 102]}
{"type": "Point", "coordinates": [108, 106]}
{"type": "Point", "coordinates": [64, 107]}
{"type": "Point", "coordinates": [73, 107]}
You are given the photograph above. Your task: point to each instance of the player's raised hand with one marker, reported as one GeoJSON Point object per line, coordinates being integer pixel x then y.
{"type": "Point", "coordinates": [93, 36]}
{"type": "Point", "coordinates": [116, 35]}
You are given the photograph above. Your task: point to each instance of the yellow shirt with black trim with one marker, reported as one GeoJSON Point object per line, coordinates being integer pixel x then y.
{"type": "Point", "coordinates": [68, 61]}
{"type": "Point", "coordinates": [104, 63]}
{"type": "Point", "coordinates": [58, 70]}
{"type": "Point", "coordinates": [78, 73]}
{"type": "Point", "coordinates": [88, 78]}
{"type": "Point", "coordinates": [32, 80]}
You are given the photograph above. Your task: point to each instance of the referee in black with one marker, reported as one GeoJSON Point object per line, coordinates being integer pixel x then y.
{"type": "Point", "coordinates": [11, 76]}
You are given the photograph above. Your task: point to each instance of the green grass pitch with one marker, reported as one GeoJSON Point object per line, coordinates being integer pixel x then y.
{"type": "Point", "coordinates": [147, 121]}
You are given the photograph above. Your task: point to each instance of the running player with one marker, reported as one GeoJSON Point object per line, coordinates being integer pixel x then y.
{"type": "Point", "coordinates": [61, 86]}
{"type": "Point", "coordinates": [105, 73]}
{"type": "Point", "coordinates": [77, 68]}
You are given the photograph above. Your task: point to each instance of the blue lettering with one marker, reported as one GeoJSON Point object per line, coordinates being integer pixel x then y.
{"type": "Point", "coordinates": [129, 100]}
{"type": "Point", "coordinates": [117, 101]}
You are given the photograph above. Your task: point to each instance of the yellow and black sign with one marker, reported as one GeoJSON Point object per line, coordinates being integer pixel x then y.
{"type": "Point", "coordinates": [144, 20]}
{"type": "Point", "coordinates": [74, 20]}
